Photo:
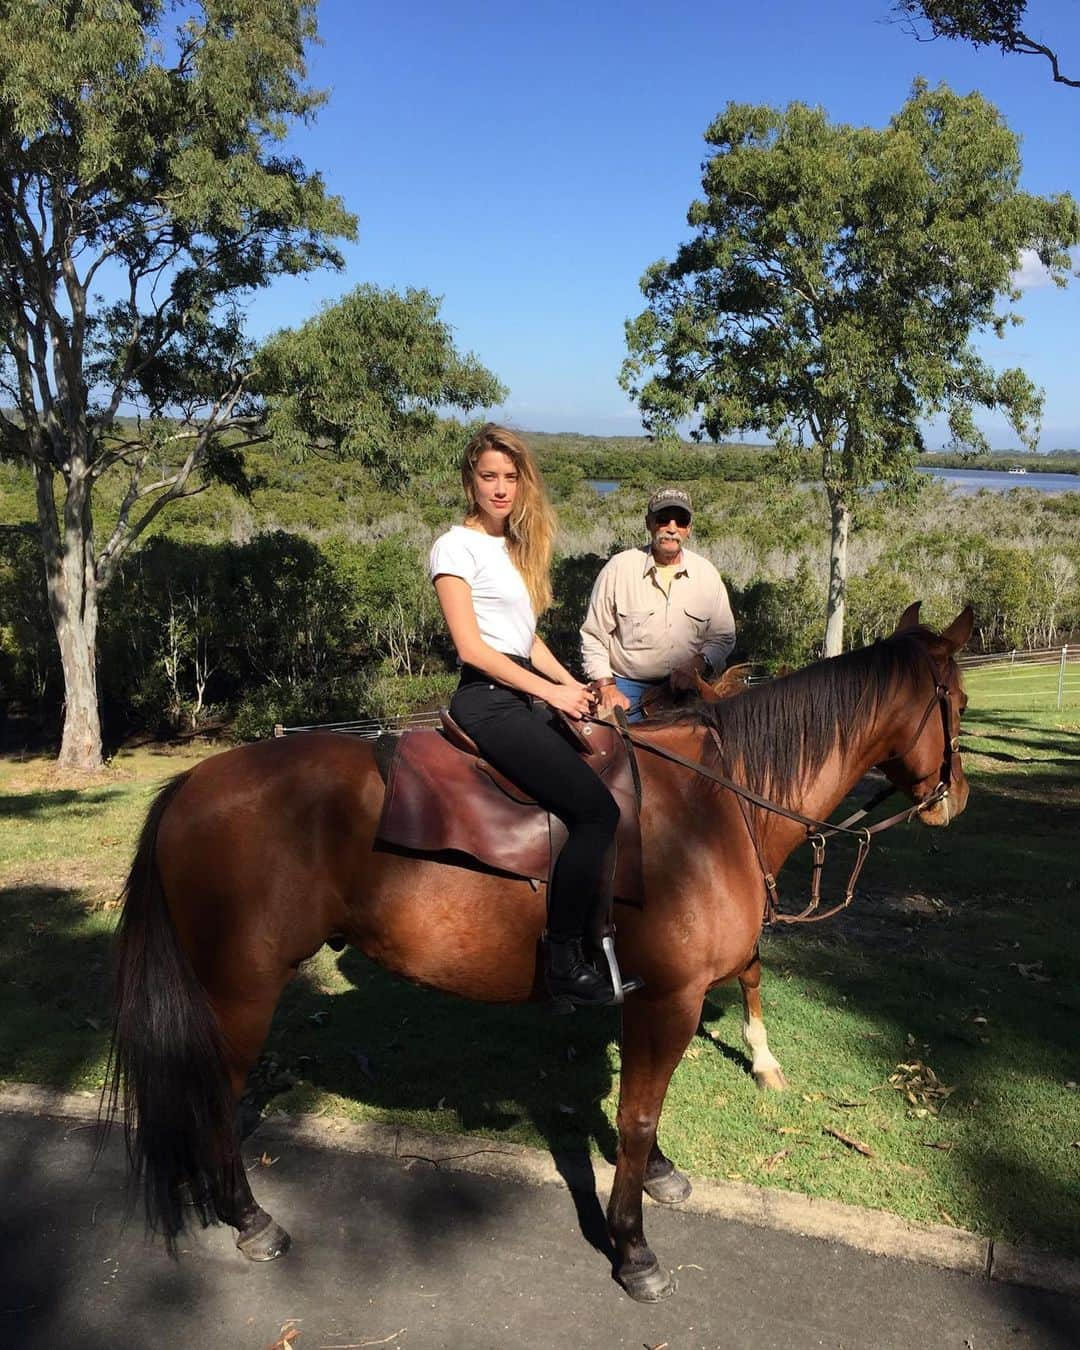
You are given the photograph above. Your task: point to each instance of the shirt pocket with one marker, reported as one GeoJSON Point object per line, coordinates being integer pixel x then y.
{"type": "Point", "coordinates": [636, 629]}
{"type": "Point", "coordinates": [698, 623]}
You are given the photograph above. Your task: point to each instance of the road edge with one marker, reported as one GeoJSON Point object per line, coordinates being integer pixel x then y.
{"type": "Point", "coordinates": [867, 1230]}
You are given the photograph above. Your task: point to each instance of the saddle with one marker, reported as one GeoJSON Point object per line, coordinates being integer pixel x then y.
{"type": "Point", "coordinates": [441, 795]}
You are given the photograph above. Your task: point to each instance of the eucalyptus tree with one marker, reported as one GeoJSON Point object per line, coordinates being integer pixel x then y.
{"type": "Point", "coordinates": [984, 23]}
{"type": "Point", "coordinates": [145, 194]}
{"type": "Point", "coordinates": [831, 287]}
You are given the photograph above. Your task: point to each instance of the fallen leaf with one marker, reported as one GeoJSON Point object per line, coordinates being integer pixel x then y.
{"type": "Point", "coordinates": [788, 1129]}
{"type": "Point", "coordinates": [920, 1086]}
{"type": "Point", "coordinates": [943, 1144]}
{"type": "Point", "coordinates": [774, 1160]}
{"type": "Point", "coordinates": [856, 1144]}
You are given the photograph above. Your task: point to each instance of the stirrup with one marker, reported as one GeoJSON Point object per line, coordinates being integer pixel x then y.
{"type": "Point", "coordinates": [620, 987]}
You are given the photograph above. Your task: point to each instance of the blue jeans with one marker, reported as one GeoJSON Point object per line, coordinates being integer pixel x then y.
{"type": "Point", "coordinates": [635, 691]}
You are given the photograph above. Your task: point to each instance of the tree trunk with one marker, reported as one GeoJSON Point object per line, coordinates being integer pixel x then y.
{"type": "Point", "coordinates": [73, 606]}
{"type": "Point", "coordinates": [840, 518]}
{"type": "Point", "coordinates": [80, 747]}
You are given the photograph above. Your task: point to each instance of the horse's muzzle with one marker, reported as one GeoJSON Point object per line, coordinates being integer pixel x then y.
{"type": "Point", "coordinates": [946, 810]}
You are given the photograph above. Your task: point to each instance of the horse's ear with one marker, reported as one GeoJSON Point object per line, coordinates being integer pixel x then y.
{"type": "Point", "coordinates": [909, 618]}
{"type": "Point", "coordinates": [706, 692]}
{"type": "Point", "coordinates": [958, 632]}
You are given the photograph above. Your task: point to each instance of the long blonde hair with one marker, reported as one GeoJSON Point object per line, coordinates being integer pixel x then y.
{"type": "Point", "coordinates": [530, 527]}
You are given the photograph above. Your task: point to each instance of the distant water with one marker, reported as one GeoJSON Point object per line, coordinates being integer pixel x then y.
{"type": "Point", "coordinates": [969, 481]}
{"type": "Point", "coordinates": [964, 481]}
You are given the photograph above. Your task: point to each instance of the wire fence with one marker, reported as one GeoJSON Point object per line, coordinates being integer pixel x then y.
{"type": "Point", "coordinates": [1038, 679]}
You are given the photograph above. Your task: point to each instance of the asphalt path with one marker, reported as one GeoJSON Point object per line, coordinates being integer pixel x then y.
{"type": "Point", "coordinates": [397, 1253]}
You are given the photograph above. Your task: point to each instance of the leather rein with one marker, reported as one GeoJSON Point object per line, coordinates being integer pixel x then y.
{"type": "Point", "coordinates": [818, 832]}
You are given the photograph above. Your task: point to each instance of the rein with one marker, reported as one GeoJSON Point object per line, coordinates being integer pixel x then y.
{"type": "Point", "coordinates": [818, 832]}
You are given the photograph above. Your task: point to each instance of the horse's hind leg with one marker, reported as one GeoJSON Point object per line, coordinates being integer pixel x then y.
{"type": "Point", "coordinates": [655, 1034]}
{"type": "Point", "coordinates": [663, 1181]}
{"type": "Point", "coordinates": [764, 1065]}
{"type": "Point", "coordinates": [245, 1022]}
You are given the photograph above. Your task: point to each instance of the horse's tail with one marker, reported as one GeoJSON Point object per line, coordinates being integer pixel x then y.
{"type": "Point", "coordinates": [167, 1074]}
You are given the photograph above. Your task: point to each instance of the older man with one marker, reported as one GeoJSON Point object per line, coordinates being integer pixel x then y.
{"type": "Point", "coordinates": [657, 612]}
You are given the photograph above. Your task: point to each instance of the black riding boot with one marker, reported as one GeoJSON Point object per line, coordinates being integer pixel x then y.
{"type": "Point", "coordinates": [571, 978]}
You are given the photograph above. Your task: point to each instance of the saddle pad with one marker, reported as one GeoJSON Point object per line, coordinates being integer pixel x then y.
{"type": "Point", "coordinates": [439, 797]}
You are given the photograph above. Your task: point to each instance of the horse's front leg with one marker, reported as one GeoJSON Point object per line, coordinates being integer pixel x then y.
{"type": "Point", "coordinates": [655, 1034]}
{"type": "Point", "coordinates": [764, 1065]}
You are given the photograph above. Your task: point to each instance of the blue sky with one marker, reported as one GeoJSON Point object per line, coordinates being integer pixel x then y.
{"type": "Point", "coordinates": [528, 162]}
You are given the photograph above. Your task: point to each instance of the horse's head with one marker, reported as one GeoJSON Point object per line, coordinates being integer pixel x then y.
{"type": "Point", "coordinates": [927, 763]}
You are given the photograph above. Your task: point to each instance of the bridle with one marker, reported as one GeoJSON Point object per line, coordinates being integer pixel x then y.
{"type": "Point", "coordinates": [818, 832]}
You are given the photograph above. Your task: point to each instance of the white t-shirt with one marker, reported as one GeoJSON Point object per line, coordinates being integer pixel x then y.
{"type": "Point", "coordinates": [504, 612]}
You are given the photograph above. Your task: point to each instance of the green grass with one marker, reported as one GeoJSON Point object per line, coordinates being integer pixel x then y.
{"type": "Point", "coordinates": [961, 955]}
{"type": "Point", "coordinates": [1024, 687]}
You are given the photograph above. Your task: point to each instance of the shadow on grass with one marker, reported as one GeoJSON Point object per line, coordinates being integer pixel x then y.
{"type": "Point", "coordinates": [996, 936]}
{"type": "Point", "coordinates": [53, 967]}
{"type": "Point", "coordinates": [55, 801]}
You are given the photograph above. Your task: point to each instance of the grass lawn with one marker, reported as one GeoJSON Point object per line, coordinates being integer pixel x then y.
{"type": "Point", "coordinates": [1022, 687]}
{"type": "Point", "coordinates": [959, 961]}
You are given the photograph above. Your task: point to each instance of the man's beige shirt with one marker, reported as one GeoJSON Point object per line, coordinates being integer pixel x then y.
{"type": "Point", "coordinates": [633, 629]}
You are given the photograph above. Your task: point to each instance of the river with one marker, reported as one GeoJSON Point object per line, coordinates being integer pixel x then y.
{"type": "Point", "coordinates": [964, 481]}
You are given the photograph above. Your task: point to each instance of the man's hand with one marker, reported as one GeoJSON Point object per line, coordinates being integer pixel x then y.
{"type": "Point", "coordinates": [610, 696]}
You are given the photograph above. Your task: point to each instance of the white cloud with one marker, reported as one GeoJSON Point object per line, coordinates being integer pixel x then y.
{"type": "Point", "coordinates": [1031, 275]}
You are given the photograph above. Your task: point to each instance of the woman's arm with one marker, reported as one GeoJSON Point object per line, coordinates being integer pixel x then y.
{"type": "Point", "coordinates": [455, 597]}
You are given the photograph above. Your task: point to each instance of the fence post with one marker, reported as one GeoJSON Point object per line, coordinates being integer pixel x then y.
{"type": "Point", "coordinates": [1061, 675]}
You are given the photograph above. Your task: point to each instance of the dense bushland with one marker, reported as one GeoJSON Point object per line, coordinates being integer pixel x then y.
{"type": "Point", "coordinates": [309, 601]}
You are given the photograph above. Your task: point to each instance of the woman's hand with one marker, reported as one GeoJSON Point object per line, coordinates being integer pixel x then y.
{"type": "Point", "coordinates": [575, 700]}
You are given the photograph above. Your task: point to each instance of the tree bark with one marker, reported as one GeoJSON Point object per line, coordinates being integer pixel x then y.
{"type": "Point", "coordinates": [840, 518]}
{"type": "Point", "coordinates": [71, 584]}
{"type": "Point", "coordinates": [80, 747]}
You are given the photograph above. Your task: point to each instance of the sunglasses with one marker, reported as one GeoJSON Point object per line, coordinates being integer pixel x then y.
{"type": "Point", "coordinates": [671, 516]}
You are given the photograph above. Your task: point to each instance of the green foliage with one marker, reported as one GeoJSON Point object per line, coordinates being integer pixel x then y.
{"type": "Point", "coordinates": [781, 622]}
{"type": "Point", "coordinates": [28, 662]}
{"type": "Point", "coordinates": [367, 377]}
{"type": "Point", "coordinates": [832, 285]}
{"type": "Point", "coordinates": [984, 23]}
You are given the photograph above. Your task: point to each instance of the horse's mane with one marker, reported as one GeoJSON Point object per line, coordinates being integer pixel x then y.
{"type": "Point", "coordinates": [778, 735]}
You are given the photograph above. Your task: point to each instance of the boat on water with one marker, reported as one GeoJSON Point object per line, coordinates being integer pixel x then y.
{"type": "Point", "coordinates": [1017, 468]}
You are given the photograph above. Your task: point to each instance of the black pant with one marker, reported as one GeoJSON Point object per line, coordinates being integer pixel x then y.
{"type": "Point", "coordinates": [515, 734]}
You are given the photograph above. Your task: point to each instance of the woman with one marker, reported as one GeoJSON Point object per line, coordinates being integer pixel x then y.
{"type": "Point", "coordinates": [491, 575]}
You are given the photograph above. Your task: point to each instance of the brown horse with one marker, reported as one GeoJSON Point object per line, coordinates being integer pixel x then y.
{"type": "Point", "coordinates": [249, 862]}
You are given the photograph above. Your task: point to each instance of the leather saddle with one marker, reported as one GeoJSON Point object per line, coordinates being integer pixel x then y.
{"type": "Point", "coordinates": [442, 795]}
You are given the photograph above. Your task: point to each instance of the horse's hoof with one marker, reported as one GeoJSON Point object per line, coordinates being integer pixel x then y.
{"type": "Point", "coordinates": [771, 1080]}
{"type": "Point", "coordinates": [649, 1285]}
{"type": "Point", "coordinates": [265, 1243]}
{"type": "Point", "coordinates": [669, 1189]}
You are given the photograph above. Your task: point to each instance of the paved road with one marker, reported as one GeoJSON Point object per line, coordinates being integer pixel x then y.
{"type": "Point", "coordinates": [413, 1258]}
